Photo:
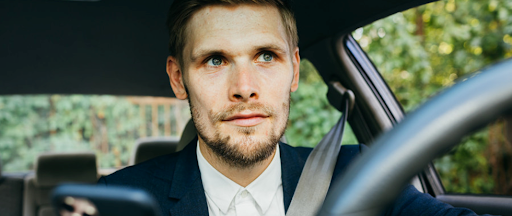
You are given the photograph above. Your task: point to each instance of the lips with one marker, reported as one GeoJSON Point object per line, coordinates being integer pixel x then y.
{"type": "Point", "coordinates": [246, 119]}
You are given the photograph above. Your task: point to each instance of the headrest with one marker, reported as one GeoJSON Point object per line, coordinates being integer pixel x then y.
{"type": "Point", "coordinates": [152, 147]}
{"type": "Point", "coordinates": [189, 133]}
{"type": "Point", "coordinates": [56, 168]}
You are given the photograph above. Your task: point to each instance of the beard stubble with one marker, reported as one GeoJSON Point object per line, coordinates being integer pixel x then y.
{"type": "Point", "coordinates": [246, 151]}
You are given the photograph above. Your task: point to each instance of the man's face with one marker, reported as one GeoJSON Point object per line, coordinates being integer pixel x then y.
{"type": "Point", "coordinates": [238, 71]}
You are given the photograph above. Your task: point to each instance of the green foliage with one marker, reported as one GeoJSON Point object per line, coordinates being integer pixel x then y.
{"type": "Point", "coordinates": [311, 115]}
{"type": "Point", "coordinates": [466, 168]}
{"type": "Point", "coordinates": [35, 124]}
{"type": "Point", "coordinates": [423, 50]}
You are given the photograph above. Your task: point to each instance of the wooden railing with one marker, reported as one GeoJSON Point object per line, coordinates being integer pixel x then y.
{"type": "Point", "coordinates": [180, 114]}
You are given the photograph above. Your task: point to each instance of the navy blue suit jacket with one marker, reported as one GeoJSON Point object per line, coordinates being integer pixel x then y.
{"type": "Point", "coordinates": [175, 181]}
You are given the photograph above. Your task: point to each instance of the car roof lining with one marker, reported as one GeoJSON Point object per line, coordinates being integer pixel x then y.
{"type": "Point", "coordinates": [119, 47]}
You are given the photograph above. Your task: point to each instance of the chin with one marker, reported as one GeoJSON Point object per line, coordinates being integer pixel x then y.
{"type": "Point", "coordinates": [240, 149]}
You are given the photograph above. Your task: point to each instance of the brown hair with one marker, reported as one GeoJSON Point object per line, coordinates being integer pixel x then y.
{"type": "Point", "coordinates": [181, 11]}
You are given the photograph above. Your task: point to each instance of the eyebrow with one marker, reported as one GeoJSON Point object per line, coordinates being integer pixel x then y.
{"type": "Point", "coordinates": [272, 47]}
{"type": "Point", "coordinates": [212, 52]}
{"type": "Point", "coordinates": [205, 52]}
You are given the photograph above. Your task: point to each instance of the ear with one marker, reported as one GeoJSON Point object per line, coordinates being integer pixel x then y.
{"type": "Point", "coordinates": [176, 78]}
{"type": "Point", "coordinates": [296, 69]}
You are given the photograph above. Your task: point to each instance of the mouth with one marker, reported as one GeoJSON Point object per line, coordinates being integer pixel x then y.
{"type": "Point", "coordinates": [246, 119]}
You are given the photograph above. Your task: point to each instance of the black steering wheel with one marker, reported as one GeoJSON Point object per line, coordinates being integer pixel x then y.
{"type": "Point", "coordinates": [376, 178]}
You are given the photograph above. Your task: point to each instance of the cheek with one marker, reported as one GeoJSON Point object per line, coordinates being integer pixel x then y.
{"type": "Point", "coordinates": [206, 93]}
{"type": "Point", "coordinates": [279, 85]}
{"type": "Point", "coordinates": [281, 75]}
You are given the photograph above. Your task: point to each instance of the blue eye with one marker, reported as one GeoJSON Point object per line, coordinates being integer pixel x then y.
{"type": "Point", "coordinates": [215, 61]}
{"type": "Point", "coordinates": [265, 57]}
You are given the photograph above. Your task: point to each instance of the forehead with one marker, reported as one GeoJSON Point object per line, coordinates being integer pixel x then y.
{"type": "Point", "coordinates": [234, 26]}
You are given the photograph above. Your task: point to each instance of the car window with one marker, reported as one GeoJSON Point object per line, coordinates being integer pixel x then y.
{"type": "Point", "coordinates": [109, 125]}
{"type": "Point", "coordinates": [105, 124]}
{"type": "Point", "coordinates": [481, 163]}
{"type": "Point", "coordinates": [423, 50]}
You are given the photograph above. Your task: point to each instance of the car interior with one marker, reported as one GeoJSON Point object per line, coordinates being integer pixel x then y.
{"type": "Point", "coordinates": [119, 47]}
{"type": "Point", "coordinates": [53, 169]}
{"type": "Point", "coordinates": [151, 147]}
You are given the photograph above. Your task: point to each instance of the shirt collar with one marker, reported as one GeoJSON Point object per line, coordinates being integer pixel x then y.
{"type": "Point", "coordinates": [264, 188]}
{"type": "Point", "coordinates": [223, 190]}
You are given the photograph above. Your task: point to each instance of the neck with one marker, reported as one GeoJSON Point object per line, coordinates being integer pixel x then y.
{"type": "Point", "coordinates": [241, 176]}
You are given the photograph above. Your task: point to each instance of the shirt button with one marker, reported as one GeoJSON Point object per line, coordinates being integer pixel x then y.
{"type": "Point", "coordinates": [244, 194]}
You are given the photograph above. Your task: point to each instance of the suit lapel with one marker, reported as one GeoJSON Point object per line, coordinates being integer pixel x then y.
{"type": "Point", "coordinates": [291, 168]}
{"type": "Point", "coordinates": [187, 188]}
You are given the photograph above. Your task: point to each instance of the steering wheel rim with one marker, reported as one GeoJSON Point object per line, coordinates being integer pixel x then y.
{"type": "Point", "coordinates": [375, 179]}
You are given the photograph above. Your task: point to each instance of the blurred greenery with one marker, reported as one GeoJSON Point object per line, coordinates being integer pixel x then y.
{"type": "Point", "coordinates": [423, 50]}
{"type": "Point", "coordinates": [33, 124]}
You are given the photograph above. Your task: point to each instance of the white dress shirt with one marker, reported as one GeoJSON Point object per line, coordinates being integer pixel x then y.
{"type": "Point", "coordinates": [263, 196]}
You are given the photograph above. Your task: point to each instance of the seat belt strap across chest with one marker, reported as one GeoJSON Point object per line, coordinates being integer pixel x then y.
{"type": "Point", "coordinates": [317, 172]}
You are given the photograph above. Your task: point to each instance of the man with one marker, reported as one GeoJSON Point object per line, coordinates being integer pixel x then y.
{"type": "Point", "coordinates": [237, 62]}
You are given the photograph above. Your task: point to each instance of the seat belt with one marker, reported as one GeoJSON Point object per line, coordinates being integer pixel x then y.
{"type": "Point", "coordinates": [318, 170]}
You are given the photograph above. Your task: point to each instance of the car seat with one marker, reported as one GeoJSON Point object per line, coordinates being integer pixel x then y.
{"type": "Point", "coordinates": [11, 191]}
{"type": "Point", "coordinates": [52, 169]}
{"type": "Point", "coordinates": [189, 133]}
{"type": "Point", "coordinates": [151, 147]}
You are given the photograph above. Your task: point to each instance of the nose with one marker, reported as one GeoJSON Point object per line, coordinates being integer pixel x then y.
{"type": "Point", "coordinates": [244, 84]}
